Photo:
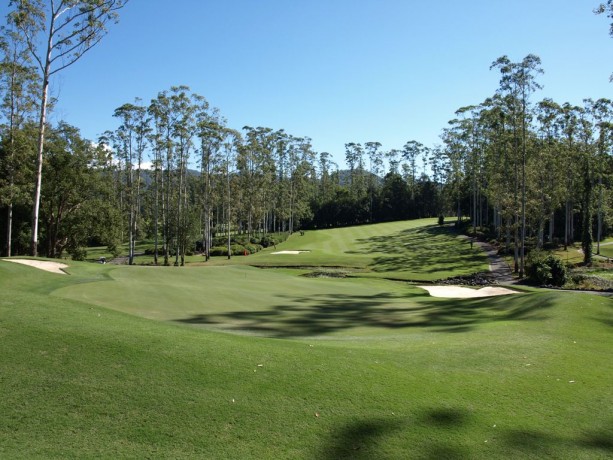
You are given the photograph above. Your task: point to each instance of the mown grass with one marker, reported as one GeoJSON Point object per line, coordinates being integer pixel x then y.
{"type": "Point", "coordinates": [408, 250]}
{"type": "Point", "coordinates": [130, 362]}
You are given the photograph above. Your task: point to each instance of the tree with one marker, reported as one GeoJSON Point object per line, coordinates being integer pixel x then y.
{"type": "Point", "coordinates": [210, 133]}
{"type": "Point", "coordinates": [132, 138]}
{"type": "Point", "coordinates": [18, 84]}
{"type": "Point", "coordinates": [608, 10]}
{"type": "Point", "coordinates": [77, 205]}
{"type": "Point", "coordinates": [518, 80]}
{"type": "Point", "coordinates": [602, 114]}
{"type": "Point", "coordinates": [69, 28]}
{"type": "Point", "coordinates": [375, 157]}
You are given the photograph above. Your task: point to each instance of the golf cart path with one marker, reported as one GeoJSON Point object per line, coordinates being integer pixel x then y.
{"type": "Point", "coordinates": [499, 268]}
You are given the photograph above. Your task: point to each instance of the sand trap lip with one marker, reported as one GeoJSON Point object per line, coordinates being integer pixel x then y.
{"type": "Point", "coordinates": [288, 252]}
{"type": "Point", "coordinates": [53, 267]}
{"type": "Point", "coordinates": [461, 292]}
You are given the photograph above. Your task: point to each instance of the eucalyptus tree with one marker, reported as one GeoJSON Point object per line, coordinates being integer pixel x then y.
{"type": "Point", "coordinates": [601, 112]}
{"type": "Point", "coordinates": [393, 160]}
{"type": "Point", "coordinates": [375, 157]}
{"type": "Point", "coordinates": [326, 189]}
{"type": "Point", "coordinates": [411, 151]}
{"type": "Point", "coordinates": [132, 139]}
{"type": "Point", "coordinates": [569, 126]}
{"type": "Point", "coordinates": [183, 109]}
{"type": "Point", "coordinates": [518, 81]}
{"type": "Point", "coordinates": [547, 168]}
{"type": "Point", "coordinates": [230, 145]}
{"type": "Point", "coordinates": [499, 188]}
{"type": "Point", "coordinates": [67, 29]}
{"type": "Point", "coordinates": [300, 176]}
{"type": "Point", "coordinates": [437, 166]}
{"type": "Point", "coordinates": [354, 157]}
{"type": "Point", "coordinates": [281, 143]}
{"type": "Point", "coordinates": [469, 139]}
{"type": "Point", "coordinates": [587, 166]}
{"type": "Point", "coordinates": [257, 171]}
{"type": "Point", "coordinates": [19, 89]}
{"type": "Point", "coordinates": [163, 151]}
{"type": "Point", "coordinates": [305, 178]}
{"type": "Point", "coordinates": [607, 9]}
{"type": "Point", "coordinates": [211, 134]}
{"type": "Point", "coordinates": [454, 153]}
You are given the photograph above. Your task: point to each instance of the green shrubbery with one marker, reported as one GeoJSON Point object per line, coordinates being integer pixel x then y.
{"type": "Point", "coordinates": [78, 253]}
{"type": "Point", "coordinates": [240, 243]}
{"type": "Point", "coordinates": [546, 269]}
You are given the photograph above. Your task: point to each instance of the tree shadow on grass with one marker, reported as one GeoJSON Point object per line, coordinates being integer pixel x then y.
{"type": "Point", "coordinates": [423, 250]}
{"type": "Point", "coordinates": [323, 314]}
{"type": "Point", "coordinates": [365, 439]}
{"type": "Point", "coordinates": [539, 444]}
{"type": "Point", "coordinates": [359, 440]}
{"type": "Point", "coordinates": [368, 438]}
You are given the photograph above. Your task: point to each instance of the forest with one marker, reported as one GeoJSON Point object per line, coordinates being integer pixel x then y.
{"type": "Point", "coordinates": [525, 172]}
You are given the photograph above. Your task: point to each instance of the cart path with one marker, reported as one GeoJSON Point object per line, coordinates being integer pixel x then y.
{"type": "Point", "coordinates": [499, 268]}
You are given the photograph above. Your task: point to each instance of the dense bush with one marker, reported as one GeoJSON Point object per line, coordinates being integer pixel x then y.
{"type": "Point", "coordinates": [591, 282]}
{"type": "Point", "coordinates": [219, 251]}
{"type": "Point", "coordinates": [546, 269]}
{"type": "Point", "coordinates": [267, 241]}
{"type": "Point", "coordinates": [237, 250]}
{"type": "Point", "coordinates": [78, 253]}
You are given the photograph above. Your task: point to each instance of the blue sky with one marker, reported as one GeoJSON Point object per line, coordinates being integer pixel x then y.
{"type": "Point", "coordinates": [336, 71]}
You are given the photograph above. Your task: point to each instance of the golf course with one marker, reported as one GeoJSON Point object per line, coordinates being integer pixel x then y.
{"type": "Point", "coordinates": [323, 347]}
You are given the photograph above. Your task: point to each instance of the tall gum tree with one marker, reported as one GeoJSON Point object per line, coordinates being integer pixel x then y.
{"type": "Point", "coordinates": [67, 30]}
{"type": "Point", "coordinates": [518, 80]}
{"type": "Point", "coordinates": [18, 86]}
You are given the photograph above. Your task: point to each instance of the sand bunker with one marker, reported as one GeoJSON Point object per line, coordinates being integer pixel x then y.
{"type": "Point", "coordinates": [53, 267]}
{"type": "Point", "coordinates": [461, 292]}
{"type": "Point", "coordinates": [289, 252]}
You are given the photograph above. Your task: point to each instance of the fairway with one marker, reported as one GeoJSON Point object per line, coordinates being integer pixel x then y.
{"type": "Point", "coordinates": [238, 361]}
{"type": "Point", "coordinates": [416, 250]}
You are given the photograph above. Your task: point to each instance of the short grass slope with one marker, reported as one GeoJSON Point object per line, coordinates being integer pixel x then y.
{"type": "Point", "coordinates": [137, 362]}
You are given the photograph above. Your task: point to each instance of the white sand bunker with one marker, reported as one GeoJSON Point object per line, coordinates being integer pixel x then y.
{"type": "Point", "coordinates": [461, 292]}
{"type": "Point", "coordinates": [289, 252]}
{"type": "Point", "coordinates": [53, 267]}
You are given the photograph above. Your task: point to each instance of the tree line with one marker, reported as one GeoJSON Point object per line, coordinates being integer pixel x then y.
{"type": "Point", "coordinates": [528, 174]}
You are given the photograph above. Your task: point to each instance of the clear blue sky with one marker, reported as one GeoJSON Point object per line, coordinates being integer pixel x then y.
{"type": "Point", "coordinates": [336, 70]}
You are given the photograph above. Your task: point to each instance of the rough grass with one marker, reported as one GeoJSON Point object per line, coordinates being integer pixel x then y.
{"type": "Point", "coordinates": [342, 368]}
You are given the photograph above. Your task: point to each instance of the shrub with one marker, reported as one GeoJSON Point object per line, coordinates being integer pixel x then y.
{"type": "Point", "coordinates": [114, 249]}
{"type": "Point", "coordinates": [267, 241]}
{"type": "Point", "coordinates": [237, 250]}
{"type": "Point", "coordinates": [253, 248]}
{"type": "Point", "coordinates": [78, 253]}
{"type": "Point", "coordinates": [219, 251]}
{"type": "Point", "coordinates": [546, 269]}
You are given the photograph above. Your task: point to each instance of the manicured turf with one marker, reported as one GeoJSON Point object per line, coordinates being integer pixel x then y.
{"type": "Point", "coordinates": [338, 368]}
{"type": "Point", "coordinates": [409, 250]}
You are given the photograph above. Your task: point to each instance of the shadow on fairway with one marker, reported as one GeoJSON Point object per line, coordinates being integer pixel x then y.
{"type": "Point", "coordinates": [538, 444]}
{"type": "Point", "coordinates": [359, 440]}
{"type": "Point", "coordinates": [423, 250]}
{"type": "Point", "coordinates": [326, 314]}
{"type": "Point", "coordinates": [366, 439]}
